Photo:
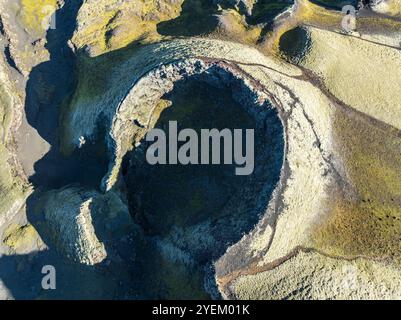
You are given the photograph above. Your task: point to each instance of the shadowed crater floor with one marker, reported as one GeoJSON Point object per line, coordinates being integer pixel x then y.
{"type": "Point", "coordinates": [191, 214]}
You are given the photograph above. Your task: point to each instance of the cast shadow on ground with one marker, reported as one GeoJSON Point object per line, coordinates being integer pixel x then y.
{"type": "Point", "coordinates": [48, 85]}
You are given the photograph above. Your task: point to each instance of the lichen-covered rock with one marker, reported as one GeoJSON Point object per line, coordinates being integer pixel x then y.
{"type": "Point", "coordinates": [68, 214]}
{"type": "Point", "coordinates": [22, 239]}
{"type": "Point", "coordinates": [112, 24]}
{"type": "Point", "coordinates": [24, 27]}
{"type": "Point", "coordinates": [13, 185]}
{"type": "Point", "coordinates": [245, 6]}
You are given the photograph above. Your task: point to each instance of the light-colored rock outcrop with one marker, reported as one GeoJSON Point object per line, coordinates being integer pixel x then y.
{"type": "Point", "coordinates": [390, 7]}
{"type": "Point", "coordinates": [68, 214]}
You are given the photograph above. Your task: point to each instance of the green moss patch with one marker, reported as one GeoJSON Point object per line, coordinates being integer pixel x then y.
{"type": "Point", "coordinates": [368, 224]}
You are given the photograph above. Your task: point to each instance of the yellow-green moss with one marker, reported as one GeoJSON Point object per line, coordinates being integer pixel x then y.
{"type": "Point", "coordinates": [310, 14]}
{"type": "Point", "coordinates": [12, 186]}
{"type": "Point", "coordinates": [20, 237]}
{"type": "Point", "coordinates": [34, 14]}
{"type": "Point", "coordinates": [5, 112]}
{"type": "Point", "coordinates": [110, 30]}
{"type": "Point", "coordinates": [236, 28]}
{"type": "Point", "coordinates": [378, 24]}
{"type": "Point", "coordinates": [369, 223]}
